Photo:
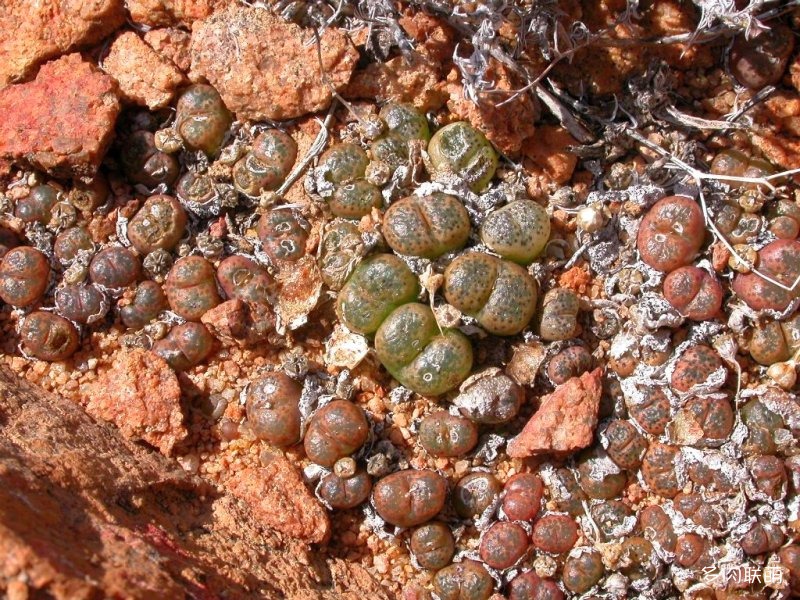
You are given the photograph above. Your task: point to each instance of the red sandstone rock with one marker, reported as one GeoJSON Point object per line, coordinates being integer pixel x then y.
{"type": "Point", "coordinates": [144, 77]}
{"type": "Point", "coordinates": [565, 421]}
{"type": "Point", "coordinates": [172, 44]}
{"type": "Point", "coordinates": [505, 122]}
{"type": "Point", "coordinates": [33, 32]}
{"type": "Point", "coordinates": [414, 78]}
{"type": "Point", "coordinates": [141, 395]}
{"type": "Point", "coordinates": [167, 13]}
{"type": "Point", "coordinates": [434, 37]}
{"type": "Point", "coordinates": [85, 513]}
{"type": "Point", "coordinates": [548, 153]}
{"type": "Point", "coordinates": [233, 323]}
{"type": "Point", "coordinates": [262, 67]}
{"type": "Point", "coordinates": [278, 499]}
{"type": "Point", "coordinates": [63, 121]}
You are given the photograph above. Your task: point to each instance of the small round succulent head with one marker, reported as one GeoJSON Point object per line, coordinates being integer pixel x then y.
{"type": "Point", "coordinates": [405, 121]}
{"type": "Point", "coordinates": [559, 317]}
{"type": "Point", "coordinates": [657, 527]}
{"type": "Point", "coordinates": [377, 286]}
{"type": "Point", "coordinates": [336, 430]}
{"type": "Point", "coordinates": [523, 496]}
{"type": "Point", "coordinates": [762, 537]}
{"type": "Point", "coordinates": [639, 559]}
{"type": "Point", "coordinates": [24, 276]}
{"type": "Point", "coordinates": [114, 267]}
{"type": "Point", "coordinates": [410, 497]}
{"type": "Point", "coordinates": [729, 162]}
{"type": "Point", "coordinates": [760, 60]}
{"type": "Point", "coordinates": [243, 278]}
{"type": "Point", "coordinates": [784, 218]}
{"type": "Point", "coordinates": [390, 149]}
{"type": "Point", "coordinates": [624, 444]}
{"type": "Point", "coordinates": [597, 482]}
{"type": "Point", "coordinates": [143, 163]}
{"type": "Point", "coordinates": [267, 164]}
{"type": "Point", "coordinates": [282, 234]}
{"type": "Point", "coordinates": [355, 199]}
{"type": "Point", "coordinates": [342, 493]}
{"type": "Point", "coordinates": [185, 346]}
{"type": "Point", "coordinates": [651, 410]}
{"type": "Point", "coordinates": [555, 534]}
{"type": "Point", "coordinates": [70, 242]}
{"type": "Point", "coordinates": [148, 301]}
{"type": "Point", "coordinates": [695, 292]}
{"type": "Point", "coordinates": [462, 150]}
{"type": "Point", "coordinates": [713, 415]}
{"type": "Point", "coordinates": [48, 336]}
{"type": "Point", "coordinates": [769, 476]}
{"type": "Point", "coordinates": [433, 546]}
{"type": "Point", "coordinates": [518, 231]}
{"type": "Point", "coordinates": [689, 550]}
{"type": "Point", "coordinates": [465, 580]}
{"type": "Point", "coordinates": [272, 403]}
{"type": "Point", "coordinates": [474, 493]}
{"type": "Point", "coordinates": [344, 163]}
{"type": "Point", "coordinates": [84, 304]}
{"type": "Point", "coordinates": [610, 516]}
{"type": "Point", "coordinates": [491, 400]}
{"type": "Point", "coordinates": [36, 206]}
{"type": "Point", "coordinates": [583, 571]}
{"type": "Point", "coordinates": [503, 545]}
{"type": "Point", "coordinates": [570, 362]}
{"type": "Point", "coordinates": [446, 435]}
{"type": "Point", "coordinates": [779, 260]}
{"type": "Point", "coordinates": [160, 223]}
{"type": "Point", "coordinates": [420, 355]}
{"type": "Point", "coordinates": [658, 469]}
{"type": "Point", "coordinates": [198, 192]}
{"type": "Point", "coordinates": [499, 294]}
{"type": "Point", "coordinates": [695, 367]}
{"type": "Point", "coordinates": [426, 226]}
{"type": "Point", "coordinates": [202, 119]}
{"type": "Point", "coordinates": [761, 424]}
{"type": "Point", "coordinates": [671, 233]}
{"type": "Point", "coordinates": [529, 586]}
{"type": "Point", "coordinates": [275, 147]}
{"type": "Point", "coordinates": [191, 287]}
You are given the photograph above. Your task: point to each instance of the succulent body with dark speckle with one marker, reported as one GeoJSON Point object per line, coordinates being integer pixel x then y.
{"type": "Point", "coordinates": [420, 355]}
{"type": "Point", "coordinates": [518, 231]}
{"type": "Point", "coordinates": [426, 226]}
{"type": "Point", "coordinates": [499, 294]}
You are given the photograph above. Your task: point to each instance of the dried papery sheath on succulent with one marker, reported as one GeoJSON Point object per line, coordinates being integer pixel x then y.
{"type": "Point", "coordinates": [267, 164]}
{"type": "Point", "coordinates": [460, 149]}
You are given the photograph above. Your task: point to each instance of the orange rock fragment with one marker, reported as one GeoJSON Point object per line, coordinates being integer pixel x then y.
{"type": "Point", "coordinates": [141, 396]}
{"type": "Point", "coordinates": [565, 421]}
{"type": "Point", "coordinates": [144, 77]}
{"type": "Point", "coordinates": [279, 500]}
